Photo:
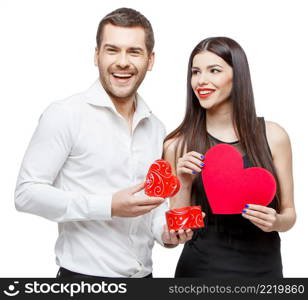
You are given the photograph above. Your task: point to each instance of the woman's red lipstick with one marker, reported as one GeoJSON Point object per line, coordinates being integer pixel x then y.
{"type": "Point", "coordinates": [204, 92]}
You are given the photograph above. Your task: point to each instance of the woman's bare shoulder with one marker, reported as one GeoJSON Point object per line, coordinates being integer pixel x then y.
{"type": "Point", "coordinates": [172, 148]}
{"type": "Point", "coordinates": [277, 136]}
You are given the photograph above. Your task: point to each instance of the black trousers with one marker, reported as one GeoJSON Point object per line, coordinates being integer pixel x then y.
{"type": "Point", "coordinates": [67, 274]}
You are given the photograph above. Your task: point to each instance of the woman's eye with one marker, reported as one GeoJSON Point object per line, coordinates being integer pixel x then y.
{"type": "Point", "coordinates": [215, 71]}
{"type": "Point", "coordinates": [194, 72]}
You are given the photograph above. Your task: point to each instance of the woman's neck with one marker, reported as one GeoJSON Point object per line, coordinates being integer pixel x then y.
{"type": "Point", "coordinates": [219, 122]}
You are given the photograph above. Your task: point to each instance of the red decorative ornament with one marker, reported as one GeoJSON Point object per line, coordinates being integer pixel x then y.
{"type": "Point", "coordinates": [229, 186]}
{"type": "Point", "coordinates": [184, 218]}
{"type": "Point", "coordinates": [160, 182]}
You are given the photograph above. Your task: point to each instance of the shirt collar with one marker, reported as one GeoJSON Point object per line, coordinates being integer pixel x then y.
{"type": "Point", "coordinates": [96, 95]}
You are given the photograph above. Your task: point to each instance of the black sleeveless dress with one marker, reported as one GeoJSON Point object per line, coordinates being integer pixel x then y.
{"type": "Point", "coordinates": [229, 246]}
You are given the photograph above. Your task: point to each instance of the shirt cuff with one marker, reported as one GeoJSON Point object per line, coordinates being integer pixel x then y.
{"type": "Point", "coordinates": [100, 207]}
{"type": "Point", "coordinates": [158, 228]}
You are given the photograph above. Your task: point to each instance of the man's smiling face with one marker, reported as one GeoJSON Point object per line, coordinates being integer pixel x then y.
{"type": "Point", "coordinates": [122, 60]}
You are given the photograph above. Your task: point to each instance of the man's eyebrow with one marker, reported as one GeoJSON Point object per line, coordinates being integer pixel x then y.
{"type": "Point", "coordinates": [111, 46]}
{"type": "Point", "coordinates": [136, 49]}
{"type": "Point", "coordinates": [129, 49]}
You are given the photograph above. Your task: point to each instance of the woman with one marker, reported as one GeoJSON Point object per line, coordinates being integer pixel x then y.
{"type": "Point", "coordinates": [220, 109]}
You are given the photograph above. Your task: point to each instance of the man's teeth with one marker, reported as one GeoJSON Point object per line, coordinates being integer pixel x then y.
{"type": "Point", "coordinates": [122, 75]}
{"type": "Point", "coordinates": [205, 92]}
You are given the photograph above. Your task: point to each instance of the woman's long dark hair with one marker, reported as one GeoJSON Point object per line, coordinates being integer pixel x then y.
{"type": "Point", "coordinates": [192, 133]}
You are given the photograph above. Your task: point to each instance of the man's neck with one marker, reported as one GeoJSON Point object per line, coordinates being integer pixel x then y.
{"type": "Point", "coordinates": [125, 107]}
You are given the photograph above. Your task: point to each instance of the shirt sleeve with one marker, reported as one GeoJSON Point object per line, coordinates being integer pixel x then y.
{"type": "Point", "coordinates": [47, 152]}
{"type": "Point", "coordinates": [159, 217]}
{"type": "Point", "coordinates": [158, 221]}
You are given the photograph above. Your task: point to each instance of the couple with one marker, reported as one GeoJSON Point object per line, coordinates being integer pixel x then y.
{"type": "Point", "coordinates": [86, 164]}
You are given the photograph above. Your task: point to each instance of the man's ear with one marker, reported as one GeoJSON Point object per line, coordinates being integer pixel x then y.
{"type": "Point", "coordinates": [151, 61]}
{"type": "Point", "coordinates": [96, 56]}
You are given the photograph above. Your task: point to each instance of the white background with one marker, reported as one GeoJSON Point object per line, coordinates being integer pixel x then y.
{"type": "Point", "coordinates": [47, 50]}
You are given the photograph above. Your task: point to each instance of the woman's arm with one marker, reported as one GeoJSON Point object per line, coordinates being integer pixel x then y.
{"type": "Point", "coordinates": [185, 168]}
{"type": "Point", "coordinates": [267, 218]}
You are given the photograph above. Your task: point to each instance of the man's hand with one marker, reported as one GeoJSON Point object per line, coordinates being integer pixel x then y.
{"type": "Point", "coordinates": [126, 204]}
{"type": "Point", "coordinates": [172, 238]}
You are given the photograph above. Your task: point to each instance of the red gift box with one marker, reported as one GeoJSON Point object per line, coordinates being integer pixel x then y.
{"type": "Point", "coordinates": [184, 218]}
{"type": "Point", "coordinates": [160, 182]}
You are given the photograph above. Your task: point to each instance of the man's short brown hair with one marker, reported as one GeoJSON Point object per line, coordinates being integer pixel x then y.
{"type": "Point", "coordinates": [127, 17]}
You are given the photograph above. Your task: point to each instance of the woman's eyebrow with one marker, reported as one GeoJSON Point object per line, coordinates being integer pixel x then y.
{"type": "Point", "coordinates": [215, 65]}
{"type": "Point", "coordinates": [208, 67]}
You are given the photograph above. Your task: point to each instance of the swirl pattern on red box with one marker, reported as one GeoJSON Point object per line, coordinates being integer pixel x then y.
{"type": "Point", "coordinates": [160, 182]}
{"type": "Point", "coordinates": [184, 218]}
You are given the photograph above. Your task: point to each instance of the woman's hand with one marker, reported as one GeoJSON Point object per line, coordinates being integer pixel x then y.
{"type": "Point", "coordinates": [172, 238]}
{"type": "Point", "coordinates": [266, 218]}
{"type": "Point", "coordinates": [188, 166]}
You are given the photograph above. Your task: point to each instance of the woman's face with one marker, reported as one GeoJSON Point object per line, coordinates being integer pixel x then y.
{"type": "Point", "coordinates": [211, 79]}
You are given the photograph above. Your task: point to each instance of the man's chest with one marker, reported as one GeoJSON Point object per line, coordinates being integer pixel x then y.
{"type": "Point", "coordinates": [104, 145]}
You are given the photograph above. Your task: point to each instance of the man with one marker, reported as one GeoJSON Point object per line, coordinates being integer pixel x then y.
{"type": "Point", "coordinates": [86, 163]}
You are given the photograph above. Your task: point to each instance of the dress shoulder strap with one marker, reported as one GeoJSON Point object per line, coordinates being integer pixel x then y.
{"type": "Point", "coordinates": [263, 130]}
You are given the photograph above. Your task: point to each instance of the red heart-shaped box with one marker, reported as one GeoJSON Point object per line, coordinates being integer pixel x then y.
{"type": "Point", "coordinates": [229, 186]}
{"type": "Point", "coordinates": [184, 218]}
{"type": "Point", "coordinates": [160, 182]}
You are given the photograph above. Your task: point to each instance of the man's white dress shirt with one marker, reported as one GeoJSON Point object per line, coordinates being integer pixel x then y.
{"type": "Point", "coordinates": [81, 153]}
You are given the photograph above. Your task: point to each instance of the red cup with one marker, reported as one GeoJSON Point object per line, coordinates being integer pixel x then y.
{"type": "Point", "coordinates": [184, 218]}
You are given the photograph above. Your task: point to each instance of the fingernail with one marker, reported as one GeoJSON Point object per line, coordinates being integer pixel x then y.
{"type": "Point", "coordinates": [194, 172]}
{"type": "Point", "coordinates": [246, 205]}
{"type": "Point", "coordinates": [202, 164]}
{"type": "Point", "coordinates": [202, 156]}
{"type": "Point", "coordinates": [244, 210]}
